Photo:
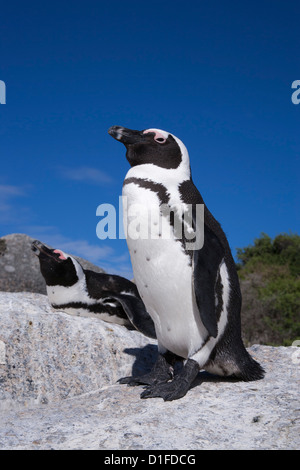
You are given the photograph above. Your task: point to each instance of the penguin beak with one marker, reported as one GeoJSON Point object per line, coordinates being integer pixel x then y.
{"type": "Point", "coordinates": [39, 249]}
{"type": "Point", "coordinates": [126, 136]}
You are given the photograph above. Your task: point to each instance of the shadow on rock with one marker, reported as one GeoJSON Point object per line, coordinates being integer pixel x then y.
{"type": "Point", "coordinates": [145, 359]}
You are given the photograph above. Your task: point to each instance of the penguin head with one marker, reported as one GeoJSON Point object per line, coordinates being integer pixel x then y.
{"type": "Point", "coordinates": [57, 268]}
{"type": "Point", "coordinates": [152, 146]}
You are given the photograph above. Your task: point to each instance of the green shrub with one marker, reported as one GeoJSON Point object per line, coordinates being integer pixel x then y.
{"type": "Point", "coordinates": [276, 264]}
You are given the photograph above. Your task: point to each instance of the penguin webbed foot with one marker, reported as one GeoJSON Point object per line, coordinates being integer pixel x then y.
{"type": "Point", "coordinates": [162, 372]}
{"type": "Point", "coordinates": [178, 387]}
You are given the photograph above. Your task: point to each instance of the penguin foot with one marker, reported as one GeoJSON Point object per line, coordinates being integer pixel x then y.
{"type": "Point", "coordinates": [178, 387]}
{"type": "Point", "coordinates": [161, 373]}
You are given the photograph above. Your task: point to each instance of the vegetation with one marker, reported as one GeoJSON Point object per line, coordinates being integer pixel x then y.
{"type": "Point", "coordinates": [269, 272]}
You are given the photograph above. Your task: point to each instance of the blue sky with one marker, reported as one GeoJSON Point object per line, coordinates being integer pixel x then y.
{"type": "Point", "coordinates": [216, 74]}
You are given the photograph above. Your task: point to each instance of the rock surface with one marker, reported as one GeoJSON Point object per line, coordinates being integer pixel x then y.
{"type": "Point", "coordinates": [58, 390]}
{"type": "Point", "coordinates": [17, 260]}
{"type": "Point", "coordinates": [49, 355]}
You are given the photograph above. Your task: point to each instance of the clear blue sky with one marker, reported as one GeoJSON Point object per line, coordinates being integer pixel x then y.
{"type": "Point", "coordinates": [216, 74]}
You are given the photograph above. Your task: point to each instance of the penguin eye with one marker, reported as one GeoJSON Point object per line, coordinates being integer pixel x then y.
{"type": "Point", "coordinates": [160, 140]}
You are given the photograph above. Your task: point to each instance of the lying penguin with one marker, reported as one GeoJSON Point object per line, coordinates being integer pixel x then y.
{"type": "Point", "coordinates": [192, 294]}
{"type": "Point", "coordinates": [83, 292]}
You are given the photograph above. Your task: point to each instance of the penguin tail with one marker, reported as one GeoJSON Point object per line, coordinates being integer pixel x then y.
{"type": "Point", "coordinates": [249, 369]}
{"type": "Point", "coordinates": [234, 362]}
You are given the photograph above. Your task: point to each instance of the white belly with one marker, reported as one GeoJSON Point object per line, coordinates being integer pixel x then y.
{"type": "Point", "coordinates": [163, 276]}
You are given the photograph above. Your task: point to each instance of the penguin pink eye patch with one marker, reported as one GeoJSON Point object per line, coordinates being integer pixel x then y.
{"type": "Point", "coordinates": [158, 137]}
{"type": "Point", "coordinates": [62, 256]}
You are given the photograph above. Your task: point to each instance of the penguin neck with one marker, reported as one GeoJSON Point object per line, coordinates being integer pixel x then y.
{"type": "Point", "coordinates": [79, 269]}
{"type": "Point", "coordinates": [61, 295]}
{"type": "Point", "coordinates": [165, 176]}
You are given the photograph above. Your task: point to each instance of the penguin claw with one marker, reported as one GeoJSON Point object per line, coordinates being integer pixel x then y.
{"type": "Point", "coordinates": [133, 381]}
{"type": "Point", "coordinates": [178, 387]}
{"type": "Point", "coordinates": [167, 391]}
{"type": "Point", "coordinates": [125, 380]}
{"type": "Point", "coordinates": [146, 380]}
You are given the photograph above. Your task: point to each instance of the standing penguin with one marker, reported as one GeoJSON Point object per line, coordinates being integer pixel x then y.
{"type": "Point", "coordinates": [192, 295]}
{"type": "Point", "coordinates": [83, 292]}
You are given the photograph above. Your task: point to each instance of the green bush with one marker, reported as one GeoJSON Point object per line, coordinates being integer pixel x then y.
{"type": "Point", "coordinates": [276, 267]}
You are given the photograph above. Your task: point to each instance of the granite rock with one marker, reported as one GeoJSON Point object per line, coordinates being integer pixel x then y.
{"type": "Point", "coordinates": [58, 390]}
{"type": "Point", "coordinates": [47, 355]}
{"type": "Point", "coordinates": [17, 260]}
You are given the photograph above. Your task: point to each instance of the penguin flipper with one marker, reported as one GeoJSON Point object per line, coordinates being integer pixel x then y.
{"type": "Point", "coordinates": [136, 313]}
{"type": "Point", "coordinates": [206, 260]}
{"type": "Point", "coordinates": [206, 263]}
